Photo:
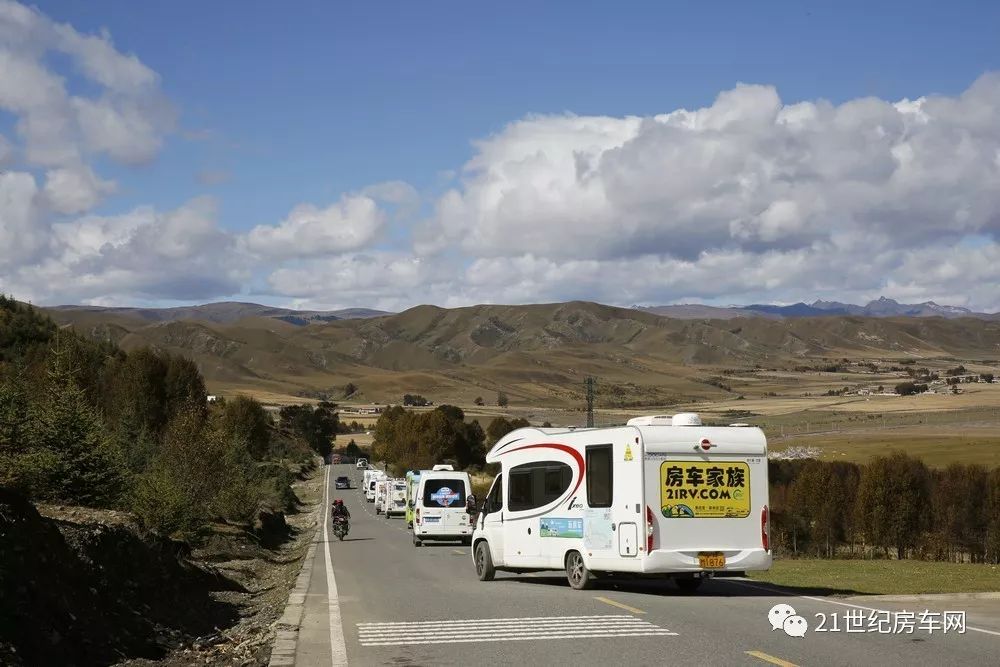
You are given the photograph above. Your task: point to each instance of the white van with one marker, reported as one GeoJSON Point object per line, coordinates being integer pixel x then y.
{"type": "Point", "coordinates": [365, 478]}
{"type": "Point", "coordinates": [372, 480]}
{"type": "Point", "coordinates": [395, 500]}
{"type": "Point", "coordinates": [381, 492]}
{"type": "Point", "coordinates": [662, 496]}
{"type": "Point", "coordinates": [439, 511]}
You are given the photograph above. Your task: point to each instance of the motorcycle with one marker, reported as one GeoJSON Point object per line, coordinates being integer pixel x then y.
{"type": "Point", "coordinates": [340, 527]}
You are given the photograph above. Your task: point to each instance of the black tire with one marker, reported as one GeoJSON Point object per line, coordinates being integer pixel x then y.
{"type": "Point", "coordinates": [484, 562]}
{"type": "Point", "coordinates": [341, 536]}
{"type": "Point", "coordinates": [688, 585]}
{"type": "Point", "coordinates": [577, 574]}
{"type": "Point", "coordinates": [416, 541]}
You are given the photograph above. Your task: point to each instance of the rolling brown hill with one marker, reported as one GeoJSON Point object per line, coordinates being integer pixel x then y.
{"type": "Point", "coordinates": [536, 353]}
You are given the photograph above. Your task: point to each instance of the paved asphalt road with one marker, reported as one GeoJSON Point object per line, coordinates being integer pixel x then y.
{"type": "Point", "coordinates": [401, 605]}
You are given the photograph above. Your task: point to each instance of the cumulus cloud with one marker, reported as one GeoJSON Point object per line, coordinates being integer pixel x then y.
{"type": "Point", "coordinates": [148, 254]}
{"type": "Point", "coordinates": [747, 198]}
{"type": "Point", "coordinates": [126, 120]}
{"type": "Point", "coordinates": [747, 172]}
{"type": "Point", "coordinates": [309, 231]}
{"type": "Point", "coordinates": [402, 195]}
{"type": "Point", "coordinates": [75, 190]}
{"type": "Point", "coordinates": [21, 235]}
{"type": "Point", "coordinates": [378, 279]}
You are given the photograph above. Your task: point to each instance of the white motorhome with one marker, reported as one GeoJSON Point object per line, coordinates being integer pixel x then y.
{"type": "Point", "coordinates": [439, 507]}
{"type": "Point", "coordinates": [381, 492]}
{"type": "Point", "coordinates": [661, 496]}
{"type": "Point", "coordinates": [395, 501]}
{"type": "Point", "coordinates": [370, 478]}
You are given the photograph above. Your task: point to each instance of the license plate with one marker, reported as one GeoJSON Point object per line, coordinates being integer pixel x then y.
{"type": "Point", "coordinates": [711, 560]}
{"type": "Point", "coordinates": [432, 519]}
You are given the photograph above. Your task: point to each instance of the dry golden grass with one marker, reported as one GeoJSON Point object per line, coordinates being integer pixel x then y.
{"type": "Point", "coordinates": [937, 446]}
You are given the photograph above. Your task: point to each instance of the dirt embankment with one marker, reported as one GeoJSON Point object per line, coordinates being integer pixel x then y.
{"type": "Point", "coordinates": [89, 587]}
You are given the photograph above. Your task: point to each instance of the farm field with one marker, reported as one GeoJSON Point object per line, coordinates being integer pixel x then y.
{"type": "Point", "coordinates": [937, 447]}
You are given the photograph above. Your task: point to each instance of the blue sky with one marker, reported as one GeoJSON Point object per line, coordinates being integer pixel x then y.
{"type": "Point", "coordinates": [305, 100]}
{"type": "Point", "coordinates": [280, 104]}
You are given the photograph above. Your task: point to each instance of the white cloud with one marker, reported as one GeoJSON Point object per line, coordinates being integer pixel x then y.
{"type": "Point", "coordinates": [143, 254]}
{"type": "Point", "coordinates": [75, 190]}
{"type": "Point", "coordinates": [309, 231]}
{"type": "Point", "coordinates": [21, 234]}
{"type": "Point", "coordinates": [6, 152]}
{"type": "Point", "coordinates": [746, 172]}
{"type": "Point", "coordinates": [747, 199]}
{"type": "Point", "coordinates": [399, 193]}
{"type": "Point", "coordinates": [126, 120]}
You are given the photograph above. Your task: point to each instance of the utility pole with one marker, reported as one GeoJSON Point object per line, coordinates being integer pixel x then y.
{"type": "Point", "coordinates": [589, 382]}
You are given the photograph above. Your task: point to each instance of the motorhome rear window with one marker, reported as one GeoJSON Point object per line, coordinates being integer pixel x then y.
{"type": "Point", "coordinates": [444, 493]}
{"type": "Point", "coordinates": [537, 484]}
{"type": "Point", "coordinates": [599, 476]}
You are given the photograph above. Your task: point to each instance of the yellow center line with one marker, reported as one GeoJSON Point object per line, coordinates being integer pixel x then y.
{"type": "Point", "coordinates": [620, 605]}
{"type": "Point", "coordinates": [760, 655]}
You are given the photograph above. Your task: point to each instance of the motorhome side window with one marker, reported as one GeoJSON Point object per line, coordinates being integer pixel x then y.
{"type": "Point", "coordinates": [537, 484]}
{"type": "Point", "coordinates": [599, 476]}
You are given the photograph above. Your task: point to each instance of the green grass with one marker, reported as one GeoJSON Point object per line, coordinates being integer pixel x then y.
{"type": "Point", "coordinates": [882, 577]}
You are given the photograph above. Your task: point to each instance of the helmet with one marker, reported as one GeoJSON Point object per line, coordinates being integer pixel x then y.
{"type": "Point", "coordinates": [338, 501]}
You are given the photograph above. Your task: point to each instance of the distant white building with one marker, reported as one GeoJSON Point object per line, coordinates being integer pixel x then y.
{"type": "Point", "coordinates": [211, 398]}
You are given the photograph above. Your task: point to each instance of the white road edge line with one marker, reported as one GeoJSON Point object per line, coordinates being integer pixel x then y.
{"type": "Point", "coordinates": [842, 604]}
{"type": "Point", "coordinates": [338, 647]}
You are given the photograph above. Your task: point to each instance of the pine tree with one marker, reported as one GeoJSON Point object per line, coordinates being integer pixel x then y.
{"type": "Point", "coordinates": [90, 469]}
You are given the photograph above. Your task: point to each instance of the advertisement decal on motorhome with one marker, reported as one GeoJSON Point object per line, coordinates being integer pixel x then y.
{"type": "Point", "coordinates": [555, 527]}
{"type": "Point", "coordinates": [705, 490]}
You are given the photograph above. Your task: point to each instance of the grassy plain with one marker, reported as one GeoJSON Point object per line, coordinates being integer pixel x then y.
{"type": "Point", "coordinates": [882, 577]}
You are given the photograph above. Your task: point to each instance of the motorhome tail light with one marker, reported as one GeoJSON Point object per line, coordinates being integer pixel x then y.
{"type": "Point", "coordinates": [417, 517]}
{"type": "Point", "coordinates": [650, 519]}
{"type": "Point", "coordinates": [765, 539]}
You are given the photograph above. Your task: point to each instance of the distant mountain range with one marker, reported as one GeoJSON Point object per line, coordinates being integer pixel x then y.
{"type": "Point", "coordinates": [881, 307]}
{"type": "Point", "coordinates": [538, 354]}
{"type": "Point", "coordinates": [226, 312]}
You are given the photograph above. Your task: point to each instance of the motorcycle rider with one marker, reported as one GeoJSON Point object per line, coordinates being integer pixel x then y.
{"type": "Point", "coordinates": [340, 510]}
